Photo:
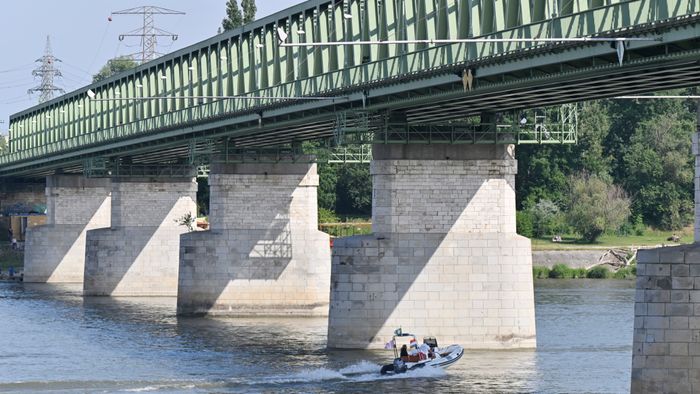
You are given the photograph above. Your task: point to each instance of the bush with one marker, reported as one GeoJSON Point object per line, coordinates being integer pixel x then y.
{"type": "Point", "coordinates": [523, 223]}
{"type": "Point", "coordinates": [633, 227]}
{"type": "Point", "coordinates": [598, 272]}
{"type": "Point", "coordinates": [578, 273]}
{"type": "Point", "coordinates": [626, 272]}
{"type": "Point", "coordinates": [560, 271]}
{"type": "Point", "coordinates": [597, 206]}
{"type": "Point", "coordinates": [327, 216]}
{"type": "Point", "coordinates": [540, 272]}
{"type": "Point", "coordinates": [546, 219]}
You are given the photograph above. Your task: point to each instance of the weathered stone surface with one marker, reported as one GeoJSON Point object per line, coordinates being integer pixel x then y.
{"type": "Point", "coordinates": [264, 255]}
{"type": "Point", "coordinates": [445, 259]}
{"type": "Point", "coordinates": [138, 254]}
{"type": "Point", "coordinates": [55, 252]}
{"type": "Point", "coordinates": [481, 299]}
{"type": "Point", "coordinates": [667, 323]}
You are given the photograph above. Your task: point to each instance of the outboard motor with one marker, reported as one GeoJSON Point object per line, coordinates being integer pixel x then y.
{"type": "Point", "coordinates": [399, 366]}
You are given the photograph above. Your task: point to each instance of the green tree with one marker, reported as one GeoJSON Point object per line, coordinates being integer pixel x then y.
{"type": "Point", "coordinates": [354, 190]}
{"type": "Point", "coordinates": [203, 196]}
{"type": "Point", "coordinates": [114, 66]}
{"type": "Point", "coordinates": [523, 223]}
{"type": "Point", "coordinates": [593, 128]}
{"type": "Point", "coordinates": [234, 18]}
{"type": "Point", "coordinates": [543, 171]}
{"type": "Point", "coordinates": [3, 145]}
{"type": "Point", "coordinates": [626, 116]}
{"type": "Point", "coordinates": [659, 168]}
{"type": "Point", "coordinates": [596, 206]}
{"type": "Point", "coordinates": [328, 179]}
{"type": "Point", "coordinates": [327, 174]}
{"type": "Point", "coordinates": [249, 10]}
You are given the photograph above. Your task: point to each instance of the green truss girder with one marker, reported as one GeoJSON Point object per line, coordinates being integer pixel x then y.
{"type": "Point", "coordinates": [100, 167]}
{"type": "Point", "coordinates": [247, 61]}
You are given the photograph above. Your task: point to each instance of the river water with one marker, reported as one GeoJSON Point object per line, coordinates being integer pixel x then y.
{"type": "Point", "coordinates": [52, 339]}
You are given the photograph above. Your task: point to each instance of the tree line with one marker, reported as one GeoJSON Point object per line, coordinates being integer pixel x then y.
{"type": "Point", "coordinates": [632, 168]}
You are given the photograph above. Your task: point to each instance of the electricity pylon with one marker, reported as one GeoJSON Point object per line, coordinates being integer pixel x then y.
{"type": "Point", "coordinates": [47, 71]}
{"type": "Point", "coordinates": [149, 33]}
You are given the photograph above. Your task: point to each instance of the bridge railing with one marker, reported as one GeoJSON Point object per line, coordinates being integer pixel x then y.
{"type": "Point", "coordinates": [604, 19]}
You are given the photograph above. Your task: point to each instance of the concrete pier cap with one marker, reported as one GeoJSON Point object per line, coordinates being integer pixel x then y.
{"type": "Point", "coordinates": [444, 258]}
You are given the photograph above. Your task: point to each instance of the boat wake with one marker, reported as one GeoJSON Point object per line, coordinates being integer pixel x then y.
{"type": "Point", "coordinates": [304, 376]}
{"type": "Point", "coordinates": [364, 371]}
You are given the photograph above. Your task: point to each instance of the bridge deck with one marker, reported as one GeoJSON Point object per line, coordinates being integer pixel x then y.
{"type": "Point", "coordinates": [423, 82]}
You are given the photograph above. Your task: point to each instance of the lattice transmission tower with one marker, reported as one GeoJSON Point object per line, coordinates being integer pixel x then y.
{"type": "Point", "coordinates": [149, 33]}
{"type": "Point", "coordinates": [47, 71]}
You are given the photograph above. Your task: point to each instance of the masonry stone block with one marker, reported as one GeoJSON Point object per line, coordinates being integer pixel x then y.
{"type": "Point", "coordinates": [55, 252]}
{"type": "Point", "coordinates": [138, 254]}
{"type": "Point", "coordinates": [264, 254]}
{"type": "Point", "coordinates": [462, 275]}
{"type": "Point", "coordinates": [666, 329]}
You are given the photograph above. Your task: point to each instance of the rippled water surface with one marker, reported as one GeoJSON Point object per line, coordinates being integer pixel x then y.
{"type": "Point", "coordinates": [53, 339]}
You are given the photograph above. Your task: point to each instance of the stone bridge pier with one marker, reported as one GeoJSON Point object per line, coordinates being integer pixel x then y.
{"type": "Point", "coordinates": [55, 252]}
{"type": "Point", "coordinates": [138, 254]}
{"type": "Point", "coordinates": [666, 347]}
{"type": "Point", "coordinates": [263, 254]}
{"type": "Point", "coordinates": [444, 258]}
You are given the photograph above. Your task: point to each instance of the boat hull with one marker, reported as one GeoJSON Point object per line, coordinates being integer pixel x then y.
{"type": "Point", "coordinates": [448, 356]}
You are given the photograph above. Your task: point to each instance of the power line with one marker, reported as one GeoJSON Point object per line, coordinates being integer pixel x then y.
{"type": "Point", "coordinates": [16, 69]}
{"type": "Point", "coordinates": [47, 71]}
{"type": "Point", "coordinates": [149, 33]}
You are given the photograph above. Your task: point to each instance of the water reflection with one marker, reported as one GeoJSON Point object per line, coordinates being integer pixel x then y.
{"type": "Point", "coordinates": [52, 338]}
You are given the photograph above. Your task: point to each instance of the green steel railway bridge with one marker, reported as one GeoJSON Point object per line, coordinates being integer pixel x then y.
{"type": "Point", "coordinates": [442, 90]}
{"type": "Point", "coordinates": [243, 89]}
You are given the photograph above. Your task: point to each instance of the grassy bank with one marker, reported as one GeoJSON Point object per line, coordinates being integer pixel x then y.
{"type": "Point", "coordinates": [649, 238]}
{"type": "Point", "coordinates": [562, 271]}
{"type": "Point", "coordinates": [346, 229]}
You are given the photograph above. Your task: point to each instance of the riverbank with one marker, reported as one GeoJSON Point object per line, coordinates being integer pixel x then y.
{"type": "Point", "coordinates": [650, 239]}
{"type": "Point", "coordinates": [562, 271]}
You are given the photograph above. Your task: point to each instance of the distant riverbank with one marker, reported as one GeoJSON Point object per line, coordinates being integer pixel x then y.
{"type": "Point", "coordinates": [562, 271]}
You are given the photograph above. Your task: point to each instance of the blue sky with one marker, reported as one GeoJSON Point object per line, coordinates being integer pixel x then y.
{"type": "Point", "coordinates": [84, 39]}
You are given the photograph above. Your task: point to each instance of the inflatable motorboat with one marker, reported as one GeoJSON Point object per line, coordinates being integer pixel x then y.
{"type": "Point", "coordinates": [408, 355]}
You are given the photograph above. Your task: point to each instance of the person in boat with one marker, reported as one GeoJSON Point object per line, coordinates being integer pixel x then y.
{"type": "Point", "coordinates": [424, 352]}
{"type": "Point", "coordinates": [408, 356]}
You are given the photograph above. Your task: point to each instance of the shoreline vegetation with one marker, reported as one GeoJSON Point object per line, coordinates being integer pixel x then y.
{"type": "Point", "coordinates": [562, 271]}
{"type": "Point", "coordinates": [10, 258]}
